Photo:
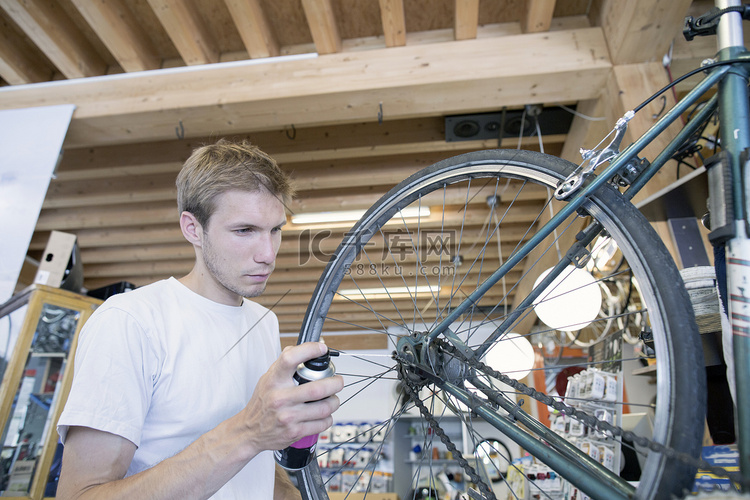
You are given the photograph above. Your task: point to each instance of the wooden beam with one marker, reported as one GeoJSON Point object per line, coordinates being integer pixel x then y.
{"type": "Point", "coordinates": [50, 28]}
{"type": "Point", "coordinates": [168, 251]}
{"type": "Point", "coordinates": [640, 30]}
{"type": "Point", "coordinates": [628, 86]}
{"type": "Point", "coordinates": [466, 19]}
{"type": "Point", "coordinates": [589, 126]}
{"type": "Point", "coordinates": [71, 214]}
{"type": "Point", "coordinates": [418, 141]}
{"type": "Point", "coordinates": [320, 190]}
{"type": "Point", "coordinates": [536, 15]}
{"type": "Point", "coordinates": [187, 31]}
{"type": "Point", "coordinates": [411, 81]}
{"type": "Point", "coordinates": [394, 22]}
{"type": "Point", "coordinates": [254, 28]}
{"type": "Point", "coordinates": [20, 62]}
{"type": "Point", "coordinates": [323, 27]}
{"type": "Point", "coordinates": [121, 32]}
{"type": "Point", "coordinates": [291, 261]}
{"type": "Point", "coordinates": [107, 217]}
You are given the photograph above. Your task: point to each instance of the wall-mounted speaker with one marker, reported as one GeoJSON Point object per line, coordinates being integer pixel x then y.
{"type": "Point", "coordinates": [481, 126]}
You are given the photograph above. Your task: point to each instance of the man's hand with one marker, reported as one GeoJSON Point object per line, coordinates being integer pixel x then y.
{"type": "Point", "coordinates": [282, 412]}
{"type": "Point", "coordinates": [95, 462]}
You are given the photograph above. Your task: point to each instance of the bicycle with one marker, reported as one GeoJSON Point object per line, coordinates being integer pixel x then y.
{"type": "Point", "coordinates": [442, 312]}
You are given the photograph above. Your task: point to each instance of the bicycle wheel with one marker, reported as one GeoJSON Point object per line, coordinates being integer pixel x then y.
{"type": "Point", "coordinates": [408, 264]}
{"type": "Point", "coordinates": [600, 327]}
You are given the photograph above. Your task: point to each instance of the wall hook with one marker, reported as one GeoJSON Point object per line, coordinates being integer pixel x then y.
{"type": "Point", "coordinates": [380, 113]}
{"type": "Point", "coordinates": [180, 131]}
{"type": "Point", "coordinates": [293, 135]}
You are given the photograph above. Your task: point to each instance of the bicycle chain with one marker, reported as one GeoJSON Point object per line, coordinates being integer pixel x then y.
{"type": "Point", "coordinates": [590, 420]}
{"type": "Point", "coordinates": [435, 426]}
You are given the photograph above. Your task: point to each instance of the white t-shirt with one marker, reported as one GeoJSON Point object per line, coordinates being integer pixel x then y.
{"type": "Point", "coordinates": [159, 367]}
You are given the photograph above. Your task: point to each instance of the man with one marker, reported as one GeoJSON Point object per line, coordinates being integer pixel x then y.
{"type": "Point", "coordinates": [180, 389]}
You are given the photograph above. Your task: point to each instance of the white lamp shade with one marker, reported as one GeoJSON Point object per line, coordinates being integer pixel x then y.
{"type": "Point", "coordinates": [570, 302]}
{"type": "Point", "coordinates": [511, 355]}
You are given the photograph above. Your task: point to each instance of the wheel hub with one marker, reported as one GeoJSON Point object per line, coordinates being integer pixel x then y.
{"type": "Point", "coordinates": [423, 361]}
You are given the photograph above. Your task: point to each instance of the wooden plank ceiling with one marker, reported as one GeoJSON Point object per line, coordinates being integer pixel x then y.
{"type": "Point", "coordinates": [349, 96]}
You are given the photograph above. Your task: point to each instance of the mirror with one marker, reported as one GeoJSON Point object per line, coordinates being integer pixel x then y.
{"type": "Point", "coordinates": [496, 458]}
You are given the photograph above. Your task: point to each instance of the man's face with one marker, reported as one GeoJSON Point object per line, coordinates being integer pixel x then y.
{"type": "Point", "coordinates": [240, 242]}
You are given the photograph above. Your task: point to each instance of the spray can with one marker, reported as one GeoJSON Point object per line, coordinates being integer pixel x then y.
{"type": "Point", "coordinates": [300, 453]}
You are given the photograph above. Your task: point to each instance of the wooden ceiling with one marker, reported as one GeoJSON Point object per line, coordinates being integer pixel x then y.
{"type": "Point", "coordinates": [349, 96]}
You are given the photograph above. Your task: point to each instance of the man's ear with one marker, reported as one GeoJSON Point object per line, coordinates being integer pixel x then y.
{"type": "Point", "coordinates": [191, 228]}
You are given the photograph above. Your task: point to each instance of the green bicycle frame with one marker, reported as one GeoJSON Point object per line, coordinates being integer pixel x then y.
{"type": "Point", "coordinates": [732, 100]}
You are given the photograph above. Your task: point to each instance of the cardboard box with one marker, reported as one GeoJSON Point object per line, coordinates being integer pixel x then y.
{"type": "Point", "coordinates": [726, 456]}
{"type": "Point", "coordinates": [55, 259]}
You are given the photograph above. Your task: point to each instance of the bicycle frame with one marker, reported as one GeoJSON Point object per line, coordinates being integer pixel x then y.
{"type": "Point", "coordinates": [732, 102]}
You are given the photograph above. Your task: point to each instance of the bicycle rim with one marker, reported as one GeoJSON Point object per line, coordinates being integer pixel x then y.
{"type": "Point", "coordinates": [399, 273]}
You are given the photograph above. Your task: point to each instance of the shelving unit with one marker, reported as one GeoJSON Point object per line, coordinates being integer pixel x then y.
{"type": "Point", "coordinates": [43, 326]}
{"type": "Point", "coordinates": [412, 432]}
{"type": "Point", "coordinates": [347, 467]}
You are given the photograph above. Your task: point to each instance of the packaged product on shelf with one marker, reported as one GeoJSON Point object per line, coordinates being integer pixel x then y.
{"type": "Point", "coordinates": [379, 432]}
{"type": "Point", "coordinates": [325, 436]}
{"type": "Point", "coordinates": [593, 391]}
{"type": "Point", "coordinates": [332, 480]}
{"type": "Point", "coordinates": [610, 393]}
{"type": "Point", "coordinates": [337, 434]}
{"type": "Point", "coordinates": [559, 425]}
{"type": "Point", "coordinates": [363, 458]}
{"type": "Point", "coordinates": [349, 479]}
{"type": "Point", "coordinates": [589, 448]}
{"type": "Point", "coordinates": [364, 432]}
{"type": "Point", "coordinates": [349, 433]}
{"type": "Point", "coordinates": [598, 385]}
{"type": "Point", "coordinates": [604, 415]}
{"type": "Point", "coordinates": [336, 457]}
{"type": "Point", "coordinates": [571, 391]}
{"type": "Point", "coordinates": [607, 457]}
{"type": "Point", "coordinates": [381, 481]}
{"type": "Point", "coordinates": [350, 455]}
{"type": "Point", "coordinates": [543, 482]}
{"type": "Point", "coordinates": [516, 479]}
{"type": "Point", "coordinates": [576, 428]}
{"type": "Point", "coordinates": [364, 481]}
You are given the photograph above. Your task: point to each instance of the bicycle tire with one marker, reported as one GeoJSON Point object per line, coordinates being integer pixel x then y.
{"type": "Point", "coordinates": [678, 416]}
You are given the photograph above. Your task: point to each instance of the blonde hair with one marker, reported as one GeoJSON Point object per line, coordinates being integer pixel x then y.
{"type": "Point", "coordinates": [213, 169]}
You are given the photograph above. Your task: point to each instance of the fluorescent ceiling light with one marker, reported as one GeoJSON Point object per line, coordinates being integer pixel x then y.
{"type": "Point", "coordinates": [352, 215]}
{"type": "Point", "coordinates": [395, 292]}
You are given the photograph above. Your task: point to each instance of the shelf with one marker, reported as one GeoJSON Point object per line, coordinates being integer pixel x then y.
{"type": "Point", "coordinates": [48, 354]}
{"type": "Point", "coordinates": [682, 198]}
{"type": "Point", "coordinates": [646, 370]}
